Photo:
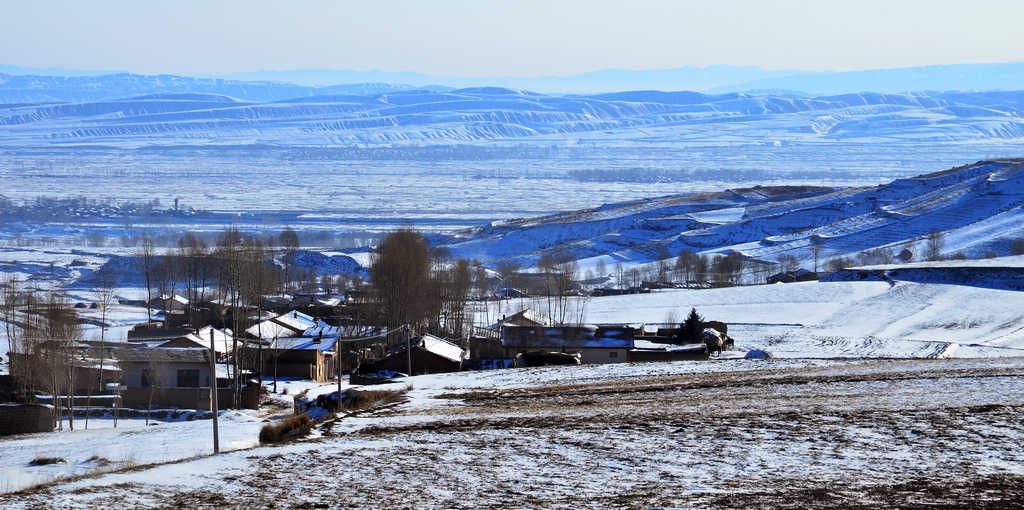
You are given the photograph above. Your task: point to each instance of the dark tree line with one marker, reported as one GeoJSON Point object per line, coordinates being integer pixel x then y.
{"type": "Point", "coordinates": [423, 288]}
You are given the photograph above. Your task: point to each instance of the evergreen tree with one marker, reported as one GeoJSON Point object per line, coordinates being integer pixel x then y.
{"type": "Point", "coordinates": [690, 329]}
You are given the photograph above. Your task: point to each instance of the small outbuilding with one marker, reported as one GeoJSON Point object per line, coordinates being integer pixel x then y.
{"type": "Point", "coordinates": [429, 355]}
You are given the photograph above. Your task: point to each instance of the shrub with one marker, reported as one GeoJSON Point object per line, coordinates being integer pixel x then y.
{"type": "Point", "coordinates": [289, 428]}
{"type": "Point", "coordinates": [1017, 246]}
{"type": "Point", "coordinates": [42, 461]}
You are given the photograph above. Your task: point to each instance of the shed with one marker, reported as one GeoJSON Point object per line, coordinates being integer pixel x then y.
{"type": "Point", "coordinates": [308, 357]}
{"type": "Point", "coordinates": [596, 344]}
{"type": "Point", "coordinates": [429, 355]}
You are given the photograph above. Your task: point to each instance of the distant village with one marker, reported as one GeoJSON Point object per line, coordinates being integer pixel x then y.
{"type": "Point", "coordinates": [234, 317]}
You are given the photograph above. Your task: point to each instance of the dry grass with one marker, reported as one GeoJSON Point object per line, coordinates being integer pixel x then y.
{"type": "Point", "coordinates": [289, 428]}
{"type": "Point", "coordinates": [43, 461]}
{"type": "Point", "coordinates": [360, 400]}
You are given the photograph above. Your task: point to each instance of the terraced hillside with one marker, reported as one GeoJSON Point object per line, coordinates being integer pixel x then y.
{"type": "Point", "coordinates": [363, 116]}
{"type": "Point", "coordinates": [978, 208]}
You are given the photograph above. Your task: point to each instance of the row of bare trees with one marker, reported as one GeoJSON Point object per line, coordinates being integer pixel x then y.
{"type": "Point", "coordinates": [233, 274]}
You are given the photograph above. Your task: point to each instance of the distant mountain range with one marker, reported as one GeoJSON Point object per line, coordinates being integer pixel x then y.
{"type": "Point", "coordinates": [27, 89]}
{"type": "Point", "coordinates": [27, 85]}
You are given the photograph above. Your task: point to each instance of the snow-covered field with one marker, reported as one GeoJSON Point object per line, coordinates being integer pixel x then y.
{"type": "Point", "coordinates": [719, 434]}
{"type": "Point", "coordinates": [833, 319]}
{"type": "Point", "coordinates": [104, 447]}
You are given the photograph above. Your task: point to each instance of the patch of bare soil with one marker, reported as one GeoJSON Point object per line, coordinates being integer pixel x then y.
{"type": "Point", "coordinates": [895, 434]}
{"type": "Point", "coordinates": [1002, 491]}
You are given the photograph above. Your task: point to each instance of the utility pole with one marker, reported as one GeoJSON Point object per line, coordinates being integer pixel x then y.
{"type": "Point", "coordinates": [337, 365]}
{"type": "Point", "coordinates": [213, 392]}
{"type": "Point", "coordinates": [408, 351]}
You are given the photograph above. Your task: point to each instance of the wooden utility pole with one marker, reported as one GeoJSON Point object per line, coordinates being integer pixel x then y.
{"type": "Point", "coordinates": [408, 351]}
{"type": "Point", "coordinates": [337, 365]}
{"type": "Point", "coordinates": [213, 392]}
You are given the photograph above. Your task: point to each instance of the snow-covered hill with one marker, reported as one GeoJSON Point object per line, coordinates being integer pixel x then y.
{"type": "Point", "coordinates": [348, 115]}
{"type": "Point", "coordinates": [977, 208]}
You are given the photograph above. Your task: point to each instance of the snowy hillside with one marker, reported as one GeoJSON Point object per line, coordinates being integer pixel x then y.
{"type": "Point", "coordinates": [346, 115]}
{"type": "Point", "coordinates": [842, 319]}
{"type": "Point", "coordinates": [977, 208]}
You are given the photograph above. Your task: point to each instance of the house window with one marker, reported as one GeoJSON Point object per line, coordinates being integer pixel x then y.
{"type": "Point", "coordinates": [146, 379]}
{"type": "Point", "coordinates": [188, 378]}
{"type": "Point", "coordinates": [613, 354]}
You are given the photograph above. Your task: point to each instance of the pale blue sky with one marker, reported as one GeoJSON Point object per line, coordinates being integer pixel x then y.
{"type": "Point", "coordinates": [505, 38]}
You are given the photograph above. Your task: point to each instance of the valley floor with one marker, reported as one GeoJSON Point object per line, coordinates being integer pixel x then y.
{"type": "Point", "coordinates": [718, 434]}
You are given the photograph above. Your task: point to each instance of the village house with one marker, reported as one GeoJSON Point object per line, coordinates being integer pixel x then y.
{"type": "Point", "coordinates": [172, 378]}
{"type": "Point", "coordinates": [306, 357]}
{"type": "Point", "coordinates": [169, 303]}
{"type": "Point", "coordinates": [604, 344]}
{"type": "Point", "coordinates": [223, 341]}
{"type": "Point", "coordinates": [289, 324]}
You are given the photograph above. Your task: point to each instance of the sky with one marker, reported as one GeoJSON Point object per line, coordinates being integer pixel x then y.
{"type": "Point", "coordinates": [505, 38]}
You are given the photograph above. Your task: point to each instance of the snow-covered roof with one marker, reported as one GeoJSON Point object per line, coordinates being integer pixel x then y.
{"type": "Point", "coordinates": [290, 324]}
{"type": "Point", "coordinates": [322, 330]}
{"type": "Point", "coordinates": [442, 348]}
{"type": "Point", "coordinates": [648, 345]}
{"type": "Point", "coordinates": [176, 298]}
{"type": "Point", "coordinates": [305, 343]}
{"type": "Point", "coordinates": [329, 301]}
{"type": "Point", "coordinates": [222, 339]}
{"type": "Point", "coordinates": [162, 355]}
{"type": "Point", "coordinates": [525, 317]}
{"type": "Point", "coordinates": [267, 330]}
{"type": "Point", "coordinates": [296, 320]}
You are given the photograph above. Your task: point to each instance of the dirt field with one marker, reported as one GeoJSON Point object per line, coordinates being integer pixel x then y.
{"type": "Point", "coordinates": [909, 434]}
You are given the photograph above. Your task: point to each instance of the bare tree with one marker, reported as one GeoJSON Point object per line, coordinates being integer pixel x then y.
{"type": "Point", "coordinates": [817, 245]}
{"type": "Point", "coordinates": [52, 333]}
{"type": "Point", "coordinates": [664, 263]}
{"type": "Point", "coordinates": [686, 264]}
{"type": "Point", "coordinates": [564, 285]}
{"type": "Point", "coordinates": [452, 284]}
{"type": "Point", "coordinates": [288, 241]}
{"type": "Point", "coordinates": [729, 268]}
{"type": "Point", "coordinates": [701, 265]}
{"type": "Point", "coordinates": [634, 277]}
{"type": "Point", "coordinates": [106, 283]}
{"type": "Point", "coordinates": [150, 379]}
{"type": "Point", "coordinates": [146, 260]}
{"type": "Point", "coordinates": [195, 270]}
{"type": "Point", "coordinates": [788, 262]}
{"type": "Point", "coordinates": [839, 263]}
{"type": "Point", "coordinates": [401, 276]}
{"type": "Point", "coordinates": [934, 243]}
{"type": "Point", "coordinates": [876, 256]}
{"type": "Point", "coordinates": [263, 278]}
